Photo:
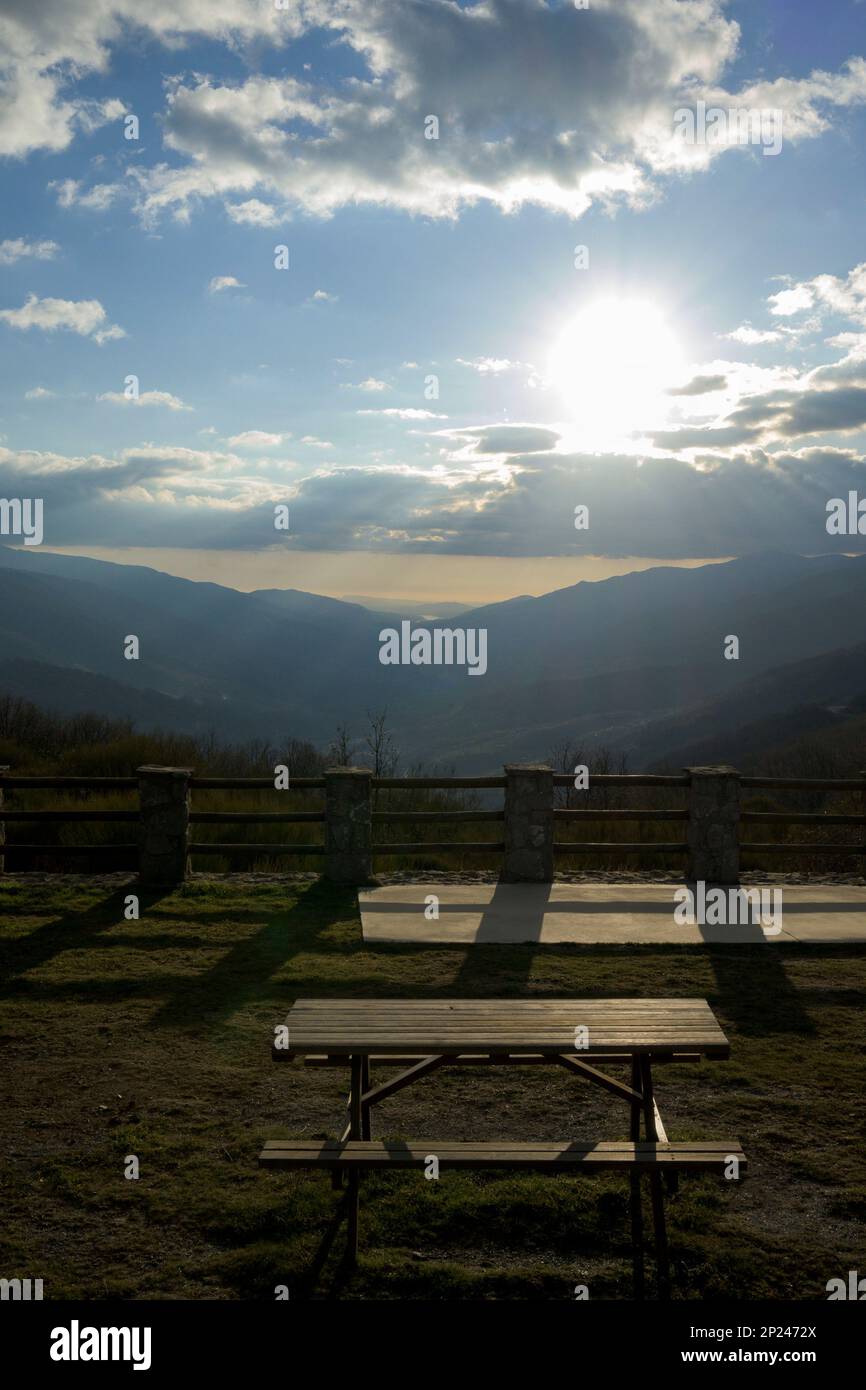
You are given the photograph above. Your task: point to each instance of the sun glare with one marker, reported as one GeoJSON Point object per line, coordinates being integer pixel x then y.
{"type": "Point", "coordinates": [612, 367]}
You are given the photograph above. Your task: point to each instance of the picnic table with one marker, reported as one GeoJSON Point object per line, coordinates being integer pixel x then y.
{"type": "Point", "coordinates": [577, 1034]}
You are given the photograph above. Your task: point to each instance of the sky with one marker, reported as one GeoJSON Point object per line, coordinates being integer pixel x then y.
{"type": "Point", "coordinates": [436, 277]}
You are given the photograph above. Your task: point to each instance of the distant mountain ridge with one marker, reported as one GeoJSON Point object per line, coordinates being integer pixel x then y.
{"type": "Point", "coordinates": [634, 662]}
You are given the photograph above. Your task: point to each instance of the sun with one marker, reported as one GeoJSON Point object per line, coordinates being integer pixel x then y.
{"type": "Point", "coordinates": [612, 367]}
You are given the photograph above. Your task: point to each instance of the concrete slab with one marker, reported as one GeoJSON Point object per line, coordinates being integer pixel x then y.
{"type": "Point", "coordinates": [594, 913]}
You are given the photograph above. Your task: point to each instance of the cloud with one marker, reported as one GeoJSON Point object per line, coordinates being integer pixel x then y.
{"type": "Point", "coordinates": [371, 383]}
{"type": "Point", "coordinates": [666, 507]}
{"type": "Point", "coordinates": [47, 47]}
{"type": "Point", "coordinates": [256, 439]}
{"type": "Point", "coordinates": [224, 282]}
{"type": "Point", "coordinates": [592, 121]}
{"type": "Point", "coordinates": [699, 386]}
{"type": "Point", "coordinates": [253, 213]}
{"type": "Point", "coordinates": [322, 297]}
{"type": "Point", "coordinates": [753, 337]}
{"type": "Point", "coordinates": [704, 436]}
{"type": "Point", "coordinates": [727, 506]}
{"type": "Point", "coordinates": [83, 316]}
{"type": "Point", "coordinates": [163, 398]}
{"type": "Point", "coordinates": [593, 124]}
{"type": "Point", "coordinates": [777, 416]}
{"type": "Point", "coordinates": [96, 198]}
{"type": "Point", "coordinates": [773, 406]}
{"type": "Point", "coordinates": [827, 293]}
{"type": "Point", "coordinates": [18, 248]}
{"type": "Point", "coordinates": [507, 439]}
{"type": "Point", "coordinates": [490, 366]}
{"type": "Point", "coordinates": [38, 393]}
{"type": "Point", "coordinates": [405, 413]}
{"type": "Point", "coordinates": [823, 412]}
{"type": "Point", "coordinates": [788, 302]}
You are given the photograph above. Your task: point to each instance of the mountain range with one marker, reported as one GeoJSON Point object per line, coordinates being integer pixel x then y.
{"type": "Point", "coordinates": [634, 663]}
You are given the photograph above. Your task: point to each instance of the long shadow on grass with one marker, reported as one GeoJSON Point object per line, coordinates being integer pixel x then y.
{"type": "Point", "coordinates": [71, 932]}
{"type": "Point", "coordinates": [755, 992]}
{"type": "Point", "coordinates": [314, 1283]}
{"type": "Point", "coordinates": [751, 977]}
{"type": "Point", "coordinates": [752, 987]}
{"type": "Point", "coordinates": [244, 972]}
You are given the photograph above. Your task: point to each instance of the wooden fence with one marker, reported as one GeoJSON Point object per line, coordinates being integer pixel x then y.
{"type": "Point", "coordinates": [704, 841]}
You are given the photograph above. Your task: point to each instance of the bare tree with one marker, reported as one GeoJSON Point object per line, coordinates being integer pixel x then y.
{"type": "Point", "coordinates": [379, 743]}
{"type": "Point", "coordinates": [342, 749]}
{"type": "Point", "coordinates": [565, 757]}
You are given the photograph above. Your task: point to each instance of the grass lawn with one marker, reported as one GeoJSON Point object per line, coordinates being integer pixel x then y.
{"type": "Point", "coordinates": [153, 1038]}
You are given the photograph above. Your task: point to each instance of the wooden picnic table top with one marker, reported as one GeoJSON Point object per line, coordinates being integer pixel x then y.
{"type": "Point", "coordinates": [421, 1027]}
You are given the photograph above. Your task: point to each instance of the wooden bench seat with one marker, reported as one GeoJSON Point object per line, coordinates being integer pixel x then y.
{"type": "Point", "coordinates": [373, 1154]}
{"type": "Point", "coordinates": [475, 1059]}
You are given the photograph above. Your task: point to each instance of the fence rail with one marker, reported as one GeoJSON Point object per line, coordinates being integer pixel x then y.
{"type": "Point", "coordinates": [712, 818]}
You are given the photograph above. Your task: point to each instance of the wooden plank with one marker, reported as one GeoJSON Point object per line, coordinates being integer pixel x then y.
{"type": "Point", "coordinates": [615, 847]}
{"type": "Point", "coordinates": [711, 1156]}
{"type": "Point", "coordinates": [556, 1045]}
{"type": "Point", "coordinates": [526, 1007]}
{"type": "Point", "coordinates": [598, 1078]}
{"type": "Point", "coordinates": [441, 847]}
{"type": "Point", "coordinates": [661, 1132]}
{"type": "Point", "coordinates": [515, 1016]}
{"type": "Point", "coordinates": [114, 784]}
{"type": "Point", "coordinates": [635, 1196]}
{"type": "Point", "coordinates": [649, 1106]}
{"type": "Point", "coordinates": [60, 816]}
{"type": "Point", "coordinates": [801, 818]}
{"type": "Point", "coordinates": [582, 814]}
{"type": "Point", "coordinates": [388, 1088]}
{"type": "Point", "coordinates": [296, 784]}
{"type": "Point", "coordinates": [383, 817]}
{"type": "Point", "coordinates": [251, 817]}
{"type": "Point", "coordinates": [810, 784]}
{"type": "Point", "coordinates": [800, 849]}
{"type": "Point", "coordinates": [677, 1018]}
{"type": "Point", "coordinates": [353, 1190]}
{"type": "Point", "coordinates": [625, 779]}
{"type": "Point", "coordinates": [435, 783]}
{"type": "Point", "coordinates": [274, 851]}
{"type": "Point", "coordinates": [11, 848]}
{"type": "Point", "coordinates": [430, 1027]}
{"type": "Point", "coordinates": [484, 1059]}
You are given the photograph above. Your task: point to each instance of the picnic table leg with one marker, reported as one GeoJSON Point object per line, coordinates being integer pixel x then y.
{"type": "Point", "coordinates": [337, 1174]}
{"type": "Point", "coordinates": [366, 1116]}
{"type": "Point", "coordinates": [352, 1195]}
{"type": "Point", "coordinates": [658, 1205]}
{"type": "Point", "coordinates": [635, 1195]}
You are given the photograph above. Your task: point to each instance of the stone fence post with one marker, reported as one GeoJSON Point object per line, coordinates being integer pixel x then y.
{"type": "Point", "coordinates": [528, 823]}
{"type": "Point", "coordinates": [348, 824]}
{"type": "Point", "coordinates": [4, 768]}
{"type": "Point", "coordinates": [713, 825]}
{"type": "Point", "coordinates": [164, 825]}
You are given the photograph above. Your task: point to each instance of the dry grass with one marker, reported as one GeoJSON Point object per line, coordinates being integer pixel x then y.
{"type": "Point", "coordinates": [152, 1038]}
